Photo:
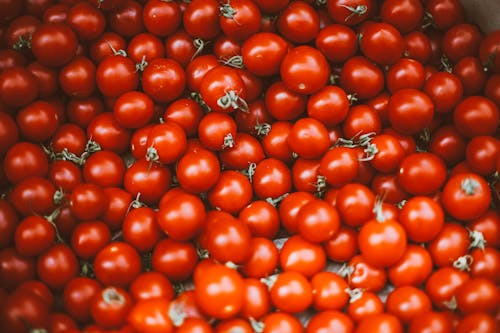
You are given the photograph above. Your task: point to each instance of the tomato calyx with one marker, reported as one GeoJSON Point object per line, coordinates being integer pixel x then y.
{"type": "Point", "coordinates": [358, 10]}
{"type": "Point", "coordinates": [250, 171]}
{"type": "Point", "coordinates": [469, 186]}
{"type": "Point", "coordinates": [22, 42]}
{"type": "Point", "coordinates": [119, 52]}
{"type": "Point", "coordinates": [228, 12]}
{"type": "Point", "coordinates": [445, 64]}
{"type": "Point", "coordinates": [199, 44]}
{"type": "Point", "coordinates": [262, 129]}
{"type": "Point", "coordinates": [195, 96]}
{"type": "Point", "coordinates": [257, 326]}
{"type": "Point", "coordinates": [463, 263]}
{"type": "Point", "coordinates": [111, 296]}
{"type": "Point", "coordinates": [320, 186]}
{"type": "Point", "coordinates": [228, 141]}
{"type": "Point", "coordinates": [451, 304]}
{"type": "Point", "coordinates": [354, 294]}
{"type": "Point", "coordinates": [360, 141]}
{"type": "Point", "coordinates": [276, 201]}
{"type": "Point", "coordinates": [140, 67]}
{"type": "Point", "coordinates": [176, 313]}
{"type": "Point", "coordinates": [345, 271]}
{"type": "Point", "coordinates": [428, 20]}
{"type": "Point", "coordinates": [234, 61]}
{"type": "Point", "coordinates": [52, 217]}
{"type": "Point", "coordinates": [232, 100]}
{"type": "Point", "coordinates": [477, 240]}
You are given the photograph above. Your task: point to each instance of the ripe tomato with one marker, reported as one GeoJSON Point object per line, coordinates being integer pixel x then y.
{"type": "Point", "coordinates": [263, 53]}
{"type": "Point", "coordinates": [318, 221]}
{"type": "Point", "coordinates": [361, 77]}
{"type": "Point", "coordinates": [257, 300]}
{"type": "Point", "coordinates": [298, 22]}
{"type": "Point", "coordinates": [343, 246]}
{"type": "Point", "coordinates": [478, 321]}
{"type": "Point", "coordinates": [408, 302]}
{"type": "Point", "coordinates": [410, 111]}
{"type": "Point", "coordinates": [378, 323]}
{"type": "Point", "coordinates": [217, 131]}
{"type": "Point", "coordinates": [149, 179]}
{"type": "Point", "coordinates": [117, 264]}
{"type": "Point", "coordinates": [176, 260]}
{"type": "Point", "coordinates": [413, 268]}
{"type": "Point", "coordinates": [334, 321]}
{"type": "Point", "coordinates": [329, 291]}
{"type": "Point", "coordinates": [422, 173]}
{"type": "Point", "coordinates": [18, 86]}
{"type": "Point", "coordinates": [476, 115]}
{"type": "Point", "coordinates": [201, 19]}
{"type": "Point", "coordinates": [263, 259]}
{"type": "Point", "coordinates": [466, 196]}
{"type": "Point", "coordinates": [337, 42]}
{"type": "Point", "coordinates": [223, 90]}
{"type": "Point", "coordinates": [240, 19]}
{"type": "Point", "coordinates": [271, 179]}
{"type": "Point", "coordinates": [381, 42]}
{"type": "Point", "coordinates": [24, 308]}
{"type": "Point", "coordinates": [110, 306]}
{"type": "Point", "coordinates": [304, 70]}
{"type": "Point", "coordinates": [54, 36]}
{"type": "Point", "coordinates": [24, 160]}
{"type": "Point", "coordinates": [349, 12]}
{"type": "Point", "coordinates": [309, 138]}
{"type": "Point", "coordinates": [477, 295]}
{"type": "Point", "coordinates": [198, 170]}
{"type": "Point", "coordinates": [291, 292]}
{"type": "Point", "coordinates": [151, 315]}
{"type": "Point", "coordinates": [57, 266]}
{"type": "Point", "coordinates": [77, 295]}
{"type": "Point", "coordinates": [34, 235]}
{"type": "Point", "coordinates": [161, 18]}
{"type": "Point", "coordinates": [33, 196]}
{"type": "Point", "coordinates": [276, 322]}
{"type": "Point", "coordinates": [302, 256]}
{"type": "Point", "coordinates": [339, 166]}
{"type": "Point", "coordinates": [231, 193]}
{"type": "Point", "coordinates": [163, 80]}
{"type": "Point", "coordinates": [219, 290]}
{"type": "Point", "coordinates": [284, 103]}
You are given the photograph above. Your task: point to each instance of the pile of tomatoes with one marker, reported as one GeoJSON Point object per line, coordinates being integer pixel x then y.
{"type": "Point", "coordinates": [234, 166]}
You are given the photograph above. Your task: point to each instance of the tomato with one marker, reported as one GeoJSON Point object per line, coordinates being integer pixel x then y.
{"type": "Point", "coordinates": [334, 321]}
{"type": "Point", "coordinates": [34, 235]}
{"type": "Point", "coordinates": [466, 196]}
{"type": "Point", "coordinates": [461, 40]}
{"type": "Point", "coordinates": [77, 295]}
{"type": "Point", "coordinates": [197, 171]}
{"type": "Point", "coordinates": [9, 132]}
{"type": "Point", "coordinates": [290, 207]}
{"type": "Point", "coordinates": [422, 173]}
{"type": "Point", "coordinates": [291, 292]}
{"type": "Point", "coordinates": [217, 131]}
{"type": "Point", "coordinates": [339, 166]}
{"type": "Point", "coordinates": [408, 302]}
{"type": "Point", "coordinates": [126, 18]}
{"type": "Point", "coordinates": [382, 242]}
{"type": "Point", "coordinates": [54, 36]}
{"type": "Point", "coordinates": [318, 221]}
{"type": "Point", "coordinates": [413, 268]}
{"type": "Point", "coordinates": [486, 263]}
{"type": "Point", "coordinates": [18, 86]}
{"type": "Point", "coordinates": [386, 322]}
{"type": "Point", "coordinates": [176, 260]}
{"type": "Point", "coordinates": [337, 42]}
{"type": "Point", "coordinates": [404, 16]}
{"type": "Point", "coordinates": [246, 150]}
{"type": "Point", "coordinates": [149, 179]}
{"type": "Point", "coordinates": [271, 179]}
{"type": "Point", "coordinates": [471, 72]}
{"type": "Point", "coordinates": [226, 239]}
{"type": "Point", "coordinates": [88, 238]}
{"type": "Point", "coordinates": [410, 111]}
{"type": "Point", "coordinates": [8, 223]}
{"type": "Point", "coordinates": [163, 80]}
{"type": "Point", "coordinates": [109, 307]}
{"type": "Point", "coordinates": [477, 295]}
{"type": "Point", "coordinates": [233, 324]}
{"type": "Point", "coordinates": [276, 322]}
{"type": "Point", "coordinates": [200, 19]}
{"type": "Point", "coordinates": [231, 193]}
{"type": "Point", "coordinates": [24, 160]}
{"type": "Point", "coordinates": [38, 121]}
{"type": "Point", "coordinates": [304, 70]}
{"type": "Point", "coordinates": [475, 116]}
{"type": "Point", "coordinates": [219, 291]}
{"type": "Point", "coordinates": [190, 325]}
{"type": "Point", "coordinates": [181, 217]}
{"type": "Point", "coordinates": [151, 315]}
{"type": "Point", "coordinates": [305, 175]}
{"type": "Point", "coordinates": [479, 321]}
{"type": "Point", "coordinates": [197, 68]}
{"type": "Point", "coordinates": [448, 144]}
{"type": "Point", "coordinates": [329, 105]}
{"type": "Point", "coordinates": [449, 245]}
{"type": "Point", "coordinates": [15, 268]}
{"type": "Point", "coordinates": [433, 320]}
{"type": "Point", "coordinates": [422, 219]}
{"type": "Point", "coordinates": [343, 246]}
{"type": "Point", "coordinates": [488, 225]}
{"type": "Point", "coordinates": [240, 19]}
{"type": "Point", "coordinates": [361, 77]}
{"type": "Point", "coordinates": [257, 301]}
{"type": "Point", "coordinates": [284, 103]}
{"type": "Point", "coordinates": [360, 274]}
{"type": "Point", "coordinates": [161, 18]}
{"type": "Point", "coordinates": [24, 308]}
{"type": "Point", "coordinates": [482, 154]}
{"type": "Point", "coordinates": [116, 75]}
{"type": "Point", "coordinates": [308, 138]}
{"type": "Point", "coordinates": [186, 113]}
{"type": "Point", "coordinates": [263, 259]}
{"type": "Point", "coordinates": [302, 256]}
{"type": "Point", "coordinates": [33, 196]}
{"type": "Point", "coordinates": [349, 12]}
{"type": "Point", "coordinates": [263, 53]}
{"type": "Point", "coordinates": [298, 22]}
{"type": "Point", "coordinates": [87, 201]}
{"type": "Point", "coordinates": [166, 143]}
{"type": "Point", "coordinates": [329, 291]}
{"type": "Point", "coordinates": [133, 110]}
{"type": "Point", "coordinates": [445, 14]}
{"type": "Point", "coordinates": [117, 264]}
{"type": "Point", "coordinates": [57, 266]}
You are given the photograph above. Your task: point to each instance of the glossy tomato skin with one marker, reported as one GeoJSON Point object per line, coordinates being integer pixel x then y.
{"type": "Point", "coordinates": [298, 22]}
{"type": "Point", "coordinates": [263, 53]}
{"type": "Point", "coordinates": [57, 266]}
{"type": "Point", "coordinates": [23, 160]}
{"type": "Point", "coordinates": [116, 75]}
{"type": "Point", "coordinates": [117, 264]}
{"type": "Point", "coordinates": [362, 77]}
{"type": "Point", "coordinates": [77, 295]}
{"type": "Point", "coordinates": [163, 80]}
{"type": "Point", "coordinates": [54, 36]}
{"type": "Point", "coordinates": [23, 307]}
{"type": "Point", "coordinates": [150, 179]}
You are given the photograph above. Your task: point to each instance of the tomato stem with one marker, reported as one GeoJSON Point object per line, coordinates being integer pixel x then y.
{"type": "Point", "coordinates": [354, 294]}
{"type": "Point", "coordinates": [358, 10]}
{"type": "Point", "coordinates": [463, 263]}
{"type": "Point", "coordinates": [275, 201]}
{"type": "Point", "coordinates": [262, 129]}
{"type": "Point", "coordinates": [469, 186]}
{"type": "Point", "coordinates": [199, 44]}
{"type": "Point", "coordinates": [345, 270]}
{"type": "Point", "coordinates": [232, 100]}
{"type": "Point", "coordinates": [234, 61]}
{"type": "Point", "coordinates": [257, 326]}
{"type": "Point", "coordinates": [477, 240]}
{"type": "Point", "coordinates": [111, 295]}
{"type": "Point", "coordinates": [140, 67]}
{"type": "Point", "coordinates": [22, 42]}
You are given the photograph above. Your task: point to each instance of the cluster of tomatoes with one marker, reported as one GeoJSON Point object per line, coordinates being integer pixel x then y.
{"type": "Point", "coordinates": [237, 166]}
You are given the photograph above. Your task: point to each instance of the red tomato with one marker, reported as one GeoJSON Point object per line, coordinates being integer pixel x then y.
{"type": "Point", "coordinates": [161, 18]}
{"type": "Point", "coordinates": [219, 291]}
{"type": "Point", "coordinates": [302, 256]}
{"type": "Point", "coordinates": [318, 221]}
{"type": "Point", "coordinates": [337, 42]}
{"type": "Point", "coordinates": [110, 306]}
{"type": "Point", "coordinates": [240, 19]}
{"type": "Point", "coordinates": [163, 80]}
{"type": "Point", "coordinates": [77, 296]}
{"type": "Point", "coordinates": [408, 302]}
{"type": "Point", "coordinates": [57, 266]}
{"type": "Point", "coordinates": [117, 264]}
{"type": "Point", "coordinates": [422, 173]}
{"type": "Point", "coordinates": [54, 36]}
{"type": "Point", "coordinates": [263, 53]}
{"type": "Point", "coordinates": [298, 22]}
{"type": "Point", "coordinates": [291, 292]}
{"type": "Point", "coordinates": [361, 77]}
{"type": "Point", "coordinates": [263, 259]}
{"type": "Point", "coordinates": [381, 43]}
{"type": "Point", "coordinates": [151, 315]}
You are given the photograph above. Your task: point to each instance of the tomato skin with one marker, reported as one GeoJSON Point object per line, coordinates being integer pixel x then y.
{"type": "Point", "coordinates": [486, 263]}
{"type": "Point", "coordinates": [451, 243]}
{"type": "Point", "coordinates": [386, 322]}
{"type": "Point", "coordinates": [408, 302]}
{"type": "Point", "coordinates": [18, 86]}
{"type": "Point", "coordinates": [361, 77]}
{"type": "Point", "coordinates": [163, 80]}
{"type": "Point", "coordinates": [422, 219]}
{"type": "Point", "coordinates": [466, 196]}
{"type": "Point", "coordinates": [77, 295]}
{"type": "Point", "coordinates": [244, 23]}
{"type": "Point", "coordinates": [283, 103]}
{"type": "Point", "coordinates": [176, 260]}
{"type": "Point", "coordinates": [33, 195]}
{"type": "Point", "coordinates": [291, 292]}
{"type": "Point", "coordinates": [304, 70]}
{"type": "Point", "coordinates": [231, 193]}
{"type": "Point", "coordinates": [339, 166]}
{"type": "Point", "coordinates": [57, 266]}
{"type": "Point", "coordinates": [151, 315]}
{"type": "Point", "coordinates": [8, 222]}
{"type": "Point", "coordinates": [200, 19]}
{"type": "Point", "coordinates": [160, 18]}
{"type": "Point", "coordinates": [257, 300]}
{"type": "Point", "coordinates": [181, 217]}
{"type": "Point", "coordinates": [375, 35]}
{"type": "Point", "coordinates": [54, 36]}
{"type": "Point", "coordinates": [413, 268]}
{"type": "Point", "coordinates": [140, 177]}
{"type": "Point", "coordinates": [302, 256]}
{"type": "Point", "coordinates": [476, 115]}
{"type": "Point", "coordinates": [343, 246]}
{"type": "Point", "coordinates": [329, 105]}
{"type": "Point", "coordinates": [461, 40]}
{"type": "Point", "coordinates": [477, 295]}
{"type": "Point", "coordinates": [263, 53]}
{"type": "Point", "coordinates": [15, 268]}
{"type": "Point", "coordinates": [337, 42]}
{"type": "Point", "coordinates": [33, 235]}
{"type": "Point", "coordinates": [219, 291]}
{"type": "Point", "coordinates": [271, 179]}
{"type": "Point", "coordinates": [410, 111]}
{"type": "Point", "coordinates": [329, 291]}
{"type": "Point", "coordinates": [263, 258]}
{"type": "Point", "coordinates": [23, 307]}
{"type": "Point", "coordinates": [117, 264]}
{"type": "Point", "coordinates": [24, 160]}
{"type": "Point", "coordinates": [298, 22]}
{"type": "Point", "coordinates": [318, 221]}
{"type": "Point", "coordinates": [116, 75]}
{"type": "Point", "coordinates": [422, 173]}
{"type": "Point", "coordinates": [349, 12]}
{"type": "Point", "coordinates": [223, 90]}
{"type": "Point", "coordinates": [479, 322]}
